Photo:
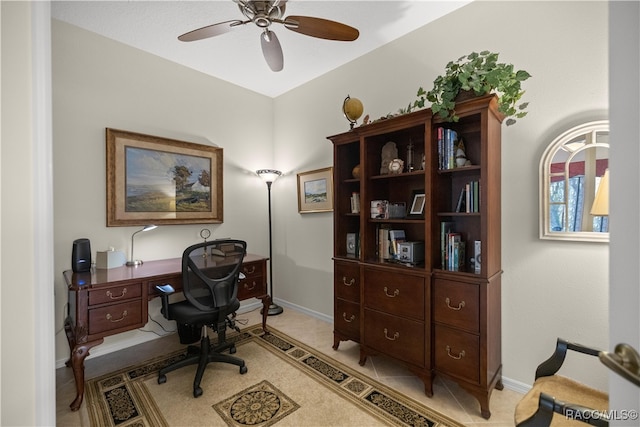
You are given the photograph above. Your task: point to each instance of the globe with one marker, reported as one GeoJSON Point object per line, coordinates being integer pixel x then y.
{"type": "Point", "coordinates": [352, 109]}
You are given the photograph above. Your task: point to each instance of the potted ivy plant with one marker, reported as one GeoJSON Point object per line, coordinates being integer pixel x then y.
{"type": "Point", "coordinates": [478, 74]}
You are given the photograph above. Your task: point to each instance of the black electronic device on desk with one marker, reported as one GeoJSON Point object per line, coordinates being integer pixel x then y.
{"type": "Point", "coordinates": [81, 255]}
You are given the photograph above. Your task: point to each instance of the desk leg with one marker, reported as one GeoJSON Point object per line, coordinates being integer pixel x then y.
{"type": "Point", "coordinates": [266, 302]}
{"type": "Point", "coordinates": [79, 352]}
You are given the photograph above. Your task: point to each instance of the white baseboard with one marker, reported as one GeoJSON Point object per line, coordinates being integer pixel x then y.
{"type": "Point", "coordinates": [317, 315]}
{"type": "Point", "coordinates": [516, 386]}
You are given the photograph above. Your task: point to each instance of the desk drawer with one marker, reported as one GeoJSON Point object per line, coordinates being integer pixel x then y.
{"type": "Point", "coordinates": [116, 316]}
{"type": "Point", "coordinates": [251, 287]}
{"type": "Point", "coordinates": [456, 304]}
{"type": "Point", "coordinates": [253, 269]}
{"type": "Point", "coordinates": [457, 353]}
{"type": "Point", "coordinates": [114, 294]}
{"type": "Point", "coordinates": [395, 336]}
{"type": "Point", "coordinates": [395, 293]}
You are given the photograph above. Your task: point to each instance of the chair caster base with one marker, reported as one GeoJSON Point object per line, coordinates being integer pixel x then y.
{"type": "Point", "coordinates": [232, 350]}
{"type": "Point", "coordinates": [197, 391]}
{"type": "Point", "coordinates": [162, 379]}
{"type": "Point", "coordinates": [243, 370]}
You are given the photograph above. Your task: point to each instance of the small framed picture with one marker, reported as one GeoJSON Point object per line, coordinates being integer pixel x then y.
{"type": "Point", "coordinates": [416, 210]}
{"type": "Point", "coordinates": [315, 191]}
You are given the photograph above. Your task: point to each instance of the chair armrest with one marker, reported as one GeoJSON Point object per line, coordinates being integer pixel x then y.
{"type": "Point", "coordinates": [165, 291]}
{"type": "Point", "coordinates": [547, 406]}
{"type": "Point", "coordinates": [552, 365]}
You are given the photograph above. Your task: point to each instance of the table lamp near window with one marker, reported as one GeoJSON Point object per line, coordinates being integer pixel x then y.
{"type": "Point", "coordinates": [600, 205]}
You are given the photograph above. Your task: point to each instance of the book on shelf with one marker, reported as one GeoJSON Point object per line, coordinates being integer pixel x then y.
{"type": "Point", "coordinates": [447, 139]}
{"type": "Point", "coordinates": [453, 239]}
{"type": "Point", "coordinates": [455, 252]}
{"type": "Point", "coordinates": [395, 237]}
{"type": "Point", "coordinates": [461, 206]}
{"type": "Point", "coordinates": [355, 202]}
{"type": "Point", "coordinates": [469, 198]}
{"type": "Point", "coordinates": [446, 227]}
{"type": "Point", "coordinates": [477, 259]}
{"type": "Point", "coordinates": [383, 243]}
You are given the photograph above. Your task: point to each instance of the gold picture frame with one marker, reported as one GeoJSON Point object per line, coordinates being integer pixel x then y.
{"type": "Point", "coordinates": [315, 191]}
{"type": "Point", "coordinates": [155, 180]}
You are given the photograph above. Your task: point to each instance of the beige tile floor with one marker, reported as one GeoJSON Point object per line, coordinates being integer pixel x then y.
{"type": "Point", "coordinates": [447, 398]}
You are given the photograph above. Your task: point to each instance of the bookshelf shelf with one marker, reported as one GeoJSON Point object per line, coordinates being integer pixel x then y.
{"type": "Point", "coordinates": [362, 282]}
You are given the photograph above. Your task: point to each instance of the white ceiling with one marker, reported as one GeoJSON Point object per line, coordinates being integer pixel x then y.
{"type": "Point", "coordinates": [236, 57]}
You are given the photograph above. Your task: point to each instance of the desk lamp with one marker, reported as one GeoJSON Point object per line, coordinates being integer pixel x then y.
{"type": "Point", "coordinates": [269, 176]}
{"type": "Point", "coordinates": [132, 261]}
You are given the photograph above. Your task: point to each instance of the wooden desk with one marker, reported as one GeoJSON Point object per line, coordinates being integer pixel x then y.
{"type": "Point", "coordinates": [110, 301]}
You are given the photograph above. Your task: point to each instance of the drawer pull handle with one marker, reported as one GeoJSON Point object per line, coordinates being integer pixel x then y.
{"type": "Point", "coordinates": [458, 357]}
{"type": "Point", "coordinates": [350, 319]}
{"type": "Point", "coordinates": [112, 320]}
{"type": "Point", "coordinates": [395, 293]}
{"type": "Point", "coordinates": [111, 296]}
{"type": "Point", "coordinates": [350, 283]}
{"type": "Point", "coordinates": [448, 301]}
{"type": "Point", "coordinates": [252, 287]}
{"type": "Point", "coordinates": [396, 335]}
{"type": "Point", "coordinates": [250, 270]}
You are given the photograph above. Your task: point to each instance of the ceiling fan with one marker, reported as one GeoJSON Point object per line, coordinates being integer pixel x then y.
{"type": "Point", "coordinates": [265, 13]}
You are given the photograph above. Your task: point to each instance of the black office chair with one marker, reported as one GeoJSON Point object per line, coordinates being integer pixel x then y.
{"type": "Point", "coordinates": [210, 275]}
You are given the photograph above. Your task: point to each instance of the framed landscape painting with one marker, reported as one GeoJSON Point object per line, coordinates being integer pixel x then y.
{"type": "Point", "coordinates": [315, 191]}
{"type": "Point", "coordinates": [155, 180]}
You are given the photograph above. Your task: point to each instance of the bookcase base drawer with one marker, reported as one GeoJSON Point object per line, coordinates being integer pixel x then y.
{"type": "Point", "coordinates": [401, 338]}
{"type": "Point", "coordinates": [347, 281]}
{"type": "Point", "coordinates": [456, 304]}
{"type": "Point", "coordinates": [457, 353]}
{"type": "Point", "coordinates": [395, 293]}
{"type": "Point", "coordinates": [347, 319]}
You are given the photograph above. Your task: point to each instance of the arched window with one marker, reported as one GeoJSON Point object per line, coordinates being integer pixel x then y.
{"type": "Point", "coordinates": [571, 170]}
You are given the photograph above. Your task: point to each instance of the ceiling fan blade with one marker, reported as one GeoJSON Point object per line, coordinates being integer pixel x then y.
{"type": "Point", "coordinates": [321, 28]}
{"type": "Point", "coordinates": [272, 50]}
{"type": "Point", "coordinates": [210, 31]}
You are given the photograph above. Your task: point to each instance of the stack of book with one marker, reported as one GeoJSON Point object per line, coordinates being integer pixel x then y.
{"type": "Point", "coordinates": [388, 241]}
{"type": "Point", "coordinates": [469, 198]}
{"type": "Point", "coordinates": [452, 248]}
{"type": "Point", "coordinates": [447, 139]}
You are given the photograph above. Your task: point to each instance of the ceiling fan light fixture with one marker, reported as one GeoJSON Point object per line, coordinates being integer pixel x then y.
{"type": "Point", "coordinates": [263, 13]}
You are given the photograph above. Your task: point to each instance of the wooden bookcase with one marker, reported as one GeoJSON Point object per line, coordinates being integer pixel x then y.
{"type": "Point", "coordinates": [432, 319]}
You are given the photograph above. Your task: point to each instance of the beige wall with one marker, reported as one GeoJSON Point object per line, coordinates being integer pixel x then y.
{"type": "Point", "coordinates": [550, 288]}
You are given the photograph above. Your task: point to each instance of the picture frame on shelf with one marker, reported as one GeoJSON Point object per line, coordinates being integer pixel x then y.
{"type": "Point", "coordinates": [416, 210]}
{"type": "Point", "coordinates": [162, 181]}
{"type": "Point", "coordinates": [315, 191]}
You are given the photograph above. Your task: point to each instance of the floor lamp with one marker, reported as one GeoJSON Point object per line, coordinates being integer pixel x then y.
{"type": "Point", "coordinates": [269, 176]}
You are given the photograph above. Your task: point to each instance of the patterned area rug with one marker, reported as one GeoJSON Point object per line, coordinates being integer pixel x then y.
{"type": "Point", "coordinates": [287, 383]}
